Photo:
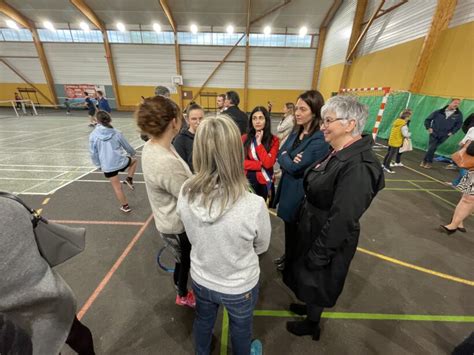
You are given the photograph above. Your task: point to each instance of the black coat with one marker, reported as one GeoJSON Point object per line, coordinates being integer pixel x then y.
{"type": "Point", "coordinates": [183, 143]}
{"type": "Point", "coordinates": [338, 191]}
{"type": "Point", "coordinates": [240, 118]}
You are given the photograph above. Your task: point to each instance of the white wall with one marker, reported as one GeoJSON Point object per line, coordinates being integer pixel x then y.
{"type": "Point", "coordinates": [146, 65]}
{"type": "Point", "coordinates": [281, 68]}
{"type": "Point", "coordinates": [28, 67]}
{"type": "Point", "coordinates": [77, 63]}
{"type": "Point", "coordinates": [338, 35]}
{"type": "Point", "coordinates": [464, 13]}
{"type": "Point", "coordinates": [410, 21]}
{"type": "Point", "coordinates": [196, 73]}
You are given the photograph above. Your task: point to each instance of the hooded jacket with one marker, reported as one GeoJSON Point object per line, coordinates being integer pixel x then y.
{"type": "Point", "coordinates": [225, 246]}
{"type": "Point", "coordinates": [106, 146]}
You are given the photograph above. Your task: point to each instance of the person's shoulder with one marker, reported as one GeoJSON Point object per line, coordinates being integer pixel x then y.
{"type": "Point", "coordinates": [253, 202]}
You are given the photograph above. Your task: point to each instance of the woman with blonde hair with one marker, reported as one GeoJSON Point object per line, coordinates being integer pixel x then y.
{"type": "Point", "coordinates": [228, 228]}
{"type": "Point", "coordinates": [165, 172]}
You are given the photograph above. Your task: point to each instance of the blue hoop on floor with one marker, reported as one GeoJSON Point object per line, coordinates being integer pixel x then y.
{"type": "Point", "coordinates": [163, 267]}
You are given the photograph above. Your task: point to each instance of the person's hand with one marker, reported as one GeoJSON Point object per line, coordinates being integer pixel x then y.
{"type": "Point", "coordinates": [430, 130]}
{"type": "Point", "coordinates": [258, 137]}
{"type": "Point", "coordinates": [298, 158]}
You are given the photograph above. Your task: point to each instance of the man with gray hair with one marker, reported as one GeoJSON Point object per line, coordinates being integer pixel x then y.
{"type": "Point", "coordinates": [162, 91]}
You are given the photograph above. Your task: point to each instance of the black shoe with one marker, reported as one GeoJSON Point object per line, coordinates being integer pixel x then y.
{"type": "Point", "coordinates": [280, 260]}
{"type": "Point", "coordinates": [462, 229]}
{"type": "Point", "coordinates": [299, 309]}
{"type": "Point", "coordinates": [304, 327]}
{"type": "Point", "coordinates": [447, 230]}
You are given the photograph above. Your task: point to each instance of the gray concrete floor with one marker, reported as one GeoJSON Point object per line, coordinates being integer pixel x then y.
{"type": "Point", "coordinates": [134, 313]}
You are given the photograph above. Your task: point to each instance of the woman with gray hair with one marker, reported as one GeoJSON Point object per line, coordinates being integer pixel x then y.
{"type": "Point", "coordinates": [338, 191]}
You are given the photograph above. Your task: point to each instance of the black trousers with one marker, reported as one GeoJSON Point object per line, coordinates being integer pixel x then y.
{"type": "Point", "coordinates": [389, 156]}
{"type": "Point", "coordinates": [291, 229]}
{"type": "Point", "coordinates": [80, 338]}
{"type": "Point", "coordinates": [314, 312]}
{"type": "Point", "coordinates": [181, 268]}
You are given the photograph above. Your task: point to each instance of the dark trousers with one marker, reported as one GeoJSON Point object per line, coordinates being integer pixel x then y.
{"type": "Point", "coordinates": [291, 228]}
{"type": "Point", "coordinates": [434, 143]}
{"type": "Point", "coordinates": [314, 312]}
{"type": "Point", "coordinates": [181, 268]}
{"type": "Point", "coordinates": [389, 156]}
{"type": "Point", "coordinates": [80, 338]}
{"type": "Point", "coordinates": [398, 157]}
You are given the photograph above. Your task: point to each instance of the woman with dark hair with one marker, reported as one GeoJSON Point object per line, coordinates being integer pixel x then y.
{"type": "Point", "coordinates": [107, 147]}
{"type": "Point", "coordinates": [304, 146]}
{"type": "Point", "coordinates": [261, 149]}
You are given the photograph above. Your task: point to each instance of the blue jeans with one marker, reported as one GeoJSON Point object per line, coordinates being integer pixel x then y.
{"type": "Point", "coordinates": [462, 172]}
{"type": "Point", "coordinates": [240, 309]}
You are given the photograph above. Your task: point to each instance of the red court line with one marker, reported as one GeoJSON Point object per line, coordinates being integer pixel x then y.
{"type": "Point", "coordinates": [112, 270]}
{"type": "Point", "coordinates": [122, 223]}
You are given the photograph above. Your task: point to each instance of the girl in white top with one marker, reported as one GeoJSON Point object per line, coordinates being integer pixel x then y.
{"type": "Point", "coordinates": [228, 228]}
{"type": "Point", "coordinates": [165, 172]}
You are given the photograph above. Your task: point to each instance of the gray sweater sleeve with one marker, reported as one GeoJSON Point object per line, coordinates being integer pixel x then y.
{"type": "Point", "coordinates": [264, 229]}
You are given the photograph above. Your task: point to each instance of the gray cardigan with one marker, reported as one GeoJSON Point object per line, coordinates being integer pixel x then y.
{"type": "Point", "coordinates": [32, 295]}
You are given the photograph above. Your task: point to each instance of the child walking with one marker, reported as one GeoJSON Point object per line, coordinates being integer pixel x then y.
{"type": "Point", "coordinates": [107, 146]}
{"type": "Point", "coordinates": [398, 132]}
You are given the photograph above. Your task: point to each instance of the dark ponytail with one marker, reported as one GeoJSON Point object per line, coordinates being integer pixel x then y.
{"type": "Point", "coordinates": [104, 119]}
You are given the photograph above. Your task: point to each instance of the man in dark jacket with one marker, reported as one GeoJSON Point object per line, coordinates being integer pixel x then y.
{"type": "Point", "coordinates": [468, 123]}
{"type": "Point", "coordinates": [232, 101]}
{"type": "Point", "coordinates": [441, 125]}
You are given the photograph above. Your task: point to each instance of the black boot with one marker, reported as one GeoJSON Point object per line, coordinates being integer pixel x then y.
{"type": "Point", "coordinates": [304, 327]}
{"type": "Point", "coordinates": [280, 260]}
{"type": "Point", "coordinates": [299, 309]}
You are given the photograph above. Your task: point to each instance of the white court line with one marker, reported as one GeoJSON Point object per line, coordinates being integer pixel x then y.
{"type": "Point", "coordinates": [32, 179]}
{"type": "Point", "coordinates": [42, 183]}
{"type": "Point", "coordinates": [107, 181]}
{"type": "Point", "coordinates": [40, 171]}
{"type": "Point", "coordinates": [46, 135]}
{"type": "Point", "coordinates": [70, 182]}
{"type": "Point", "coordinates": [51, 166]}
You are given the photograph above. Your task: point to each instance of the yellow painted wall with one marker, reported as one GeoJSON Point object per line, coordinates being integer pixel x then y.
{"type": "Point", "coordinates": [7, 92]}
{"type": "Point", "coordinates": [451, 69]}
{"type": "Point", "coordinates": [330, 79]}
{"type": "Point", "coordinates": [393, 67]}
{"type": "Point", "coordinates": [130, 96]}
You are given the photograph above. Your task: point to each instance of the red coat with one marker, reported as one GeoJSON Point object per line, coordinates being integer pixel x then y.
{"type": "Point", "coordinates": [266, 159]}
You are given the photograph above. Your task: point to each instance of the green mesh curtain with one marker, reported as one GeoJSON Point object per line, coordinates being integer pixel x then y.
{"type": "Point", "coordinates": [422, 106]}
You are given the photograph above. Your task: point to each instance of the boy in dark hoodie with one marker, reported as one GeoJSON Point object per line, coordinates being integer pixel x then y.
{"type": "Point", "coordinates": [183, 143]}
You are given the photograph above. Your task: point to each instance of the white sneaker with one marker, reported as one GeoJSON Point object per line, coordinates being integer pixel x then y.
{"type": "Point", "coordinates": [396, 165]}
{"type": "Point", "coordinates": [390, 171]}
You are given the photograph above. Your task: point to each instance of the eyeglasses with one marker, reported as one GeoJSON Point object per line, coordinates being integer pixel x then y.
{"type": "Point", "coordinates": [326, 121]}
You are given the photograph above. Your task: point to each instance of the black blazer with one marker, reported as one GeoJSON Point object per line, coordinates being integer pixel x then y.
{"type": "Point", "coordinates": [240, 118]}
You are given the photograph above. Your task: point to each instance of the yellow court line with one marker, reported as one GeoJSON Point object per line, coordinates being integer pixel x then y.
{"type": "Point", "coordinates": [433, 194]}
{"type": "Point", "coordinates": [418, 268]}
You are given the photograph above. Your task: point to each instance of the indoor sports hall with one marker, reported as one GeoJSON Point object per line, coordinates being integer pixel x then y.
{"type": "Point", "coordinates": [69, 69]}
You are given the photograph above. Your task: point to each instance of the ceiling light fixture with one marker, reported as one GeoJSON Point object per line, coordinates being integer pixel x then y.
{"type": "Point", "coordinates": [12, 24]}
{"type": "Point", "coordinates": [120, 27]}
{"type": "Point", "coordinates": [194, 28]}
{"type": "Point", "coordinates": [84, 26]}
{"type": "Point", "coordinates": [157, 27]}
{"type": "Point", "coordinates": [267, 30]}
{"type": "Point", "coordinates": [48, 25]}
{"type": "Point", "coordinates": [303, 31]}
{"type": "Point", "coordinates": [230, 29]}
